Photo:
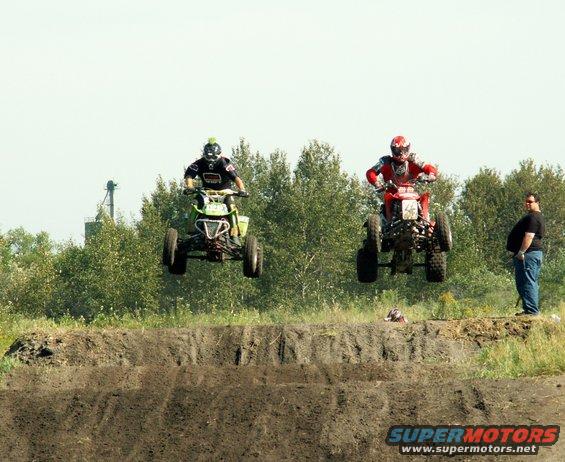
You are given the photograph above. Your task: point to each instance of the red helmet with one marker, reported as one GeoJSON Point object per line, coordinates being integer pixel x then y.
{"type": "Point", "coordinates": [400, 148]}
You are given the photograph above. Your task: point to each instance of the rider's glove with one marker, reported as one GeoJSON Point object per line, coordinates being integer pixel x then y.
{"type": "Point", "coordinates": [426, 178]}
{"type": "Point", "coordinates": [188, 191]}
{"type": "Point", "coordinates": [243, 194]}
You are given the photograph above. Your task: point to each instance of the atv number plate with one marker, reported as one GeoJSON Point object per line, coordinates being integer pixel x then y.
{"type": "Point", "coordinates": [214, 208]}
{"type": "Point", "coordinates": [409, 209]}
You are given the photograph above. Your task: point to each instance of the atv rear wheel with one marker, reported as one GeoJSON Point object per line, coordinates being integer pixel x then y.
{"type": "Point", "coordinates": [259, 268]}
{"type": "Point", "coordinates": [179, 266]}
{"type": "Point", "coordinates": [367, 266]}
{"type": "Point", "coordinates": [442, 232]}
{"type": "Point", "coordinates": [373, 243]}
{"type": "Point", "coordinates": [170, 246]}
{"type": "Point", "coordinates": [436, 266]}
{"type": "Point", "coordinates": [252, 258]}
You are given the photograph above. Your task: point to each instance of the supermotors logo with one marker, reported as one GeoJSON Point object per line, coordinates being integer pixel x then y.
{"type": "Point", "coordinates": [454, 440]}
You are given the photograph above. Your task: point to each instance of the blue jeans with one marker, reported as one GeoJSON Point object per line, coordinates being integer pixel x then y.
{"type": "Point", "coordinates": [527, 280]}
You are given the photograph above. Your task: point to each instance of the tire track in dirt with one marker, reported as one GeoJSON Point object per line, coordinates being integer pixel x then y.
{"type": "Point", "coordinates": [343, 421]}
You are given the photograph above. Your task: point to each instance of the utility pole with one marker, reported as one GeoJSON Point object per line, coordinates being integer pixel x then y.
{"type": "Point", "coordinates": [111, 187]}
{"type": "Point", "coordinates": [93, 225]}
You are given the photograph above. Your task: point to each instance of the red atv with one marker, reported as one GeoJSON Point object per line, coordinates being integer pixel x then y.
{"type": "Point", "coordinates": [409, 231]}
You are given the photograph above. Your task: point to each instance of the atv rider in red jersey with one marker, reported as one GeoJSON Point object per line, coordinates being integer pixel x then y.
{"type": "Point", "coordinates": [397, 170]}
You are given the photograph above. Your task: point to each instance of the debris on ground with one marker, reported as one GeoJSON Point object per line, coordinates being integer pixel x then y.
{"type": "Point", "coordinates": [395, 315]}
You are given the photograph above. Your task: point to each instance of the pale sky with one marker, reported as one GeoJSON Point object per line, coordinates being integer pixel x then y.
{"type": "Point", "coordinates": [130, 89]}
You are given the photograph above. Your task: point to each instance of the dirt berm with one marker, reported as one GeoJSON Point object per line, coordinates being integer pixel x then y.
{"type": "Point", "coordinates": [299, 392]}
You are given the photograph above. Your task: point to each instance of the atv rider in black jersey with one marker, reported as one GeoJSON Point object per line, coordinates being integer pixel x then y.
{"type": "Point", "coordinates": [216, 172]}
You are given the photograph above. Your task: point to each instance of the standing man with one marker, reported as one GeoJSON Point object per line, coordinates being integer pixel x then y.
{"type": "Point", "coordinates": [524, 241]}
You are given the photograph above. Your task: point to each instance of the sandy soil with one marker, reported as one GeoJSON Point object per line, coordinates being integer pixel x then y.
{"type": "Point", "coordinates": [297, 392]}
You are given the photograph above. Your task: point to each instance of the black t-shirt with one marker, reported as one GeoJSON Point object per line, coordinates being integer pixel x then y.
{"type": "Point", "coordinates": [219, 176]}
{"type": "Point", "coordinates": [532, 222]}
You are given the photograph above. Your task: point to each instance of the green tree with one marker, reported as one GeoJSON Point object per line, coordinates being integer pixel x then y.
{"type": "Point", "coordinates": [114, 273]}
{"type": "Point", "coordinates": [27, 265]}
{"type": "Point", "coordinates": [314, 228]}
{"type": "Point", "coordinates": [482, 201]}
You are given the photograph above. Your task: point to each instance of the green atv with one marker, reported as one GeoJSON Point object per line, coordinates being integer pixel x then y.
{"type": "Point", "coordinates": [211, 239]}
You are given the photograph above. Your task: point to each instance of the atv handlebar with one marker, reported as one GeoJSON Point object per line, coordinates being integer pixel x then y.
{"type": "Point", "coordinates": [215, 192]}
{"type": "Point", "coordinates": [411, 182]}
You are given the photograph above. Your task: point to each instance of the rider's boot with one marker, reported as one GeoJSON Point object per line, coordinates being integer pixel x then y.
{"type": "Point", "coordinates": [384, 222]}
{"type": "Point", "coordinates": [234, 230]}
{"type": "Point", "coordinates": [388, 211]}
{"type": "Point", "coordinates": [234, 236]}
{"type": "Point", "coordinates": [382, 216]}
{"type": "Point", "coordinates": [191, 227]}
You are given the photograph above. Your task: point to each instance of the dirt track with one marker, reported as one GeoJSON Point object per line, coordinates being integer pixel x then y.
{"type": "Point", "coordinates": [261, 393]}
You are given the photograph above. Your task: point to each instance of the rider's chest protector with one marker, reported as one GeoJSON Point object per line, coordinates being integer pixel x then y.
{"type": "Point", "coordinates": [397, 173]}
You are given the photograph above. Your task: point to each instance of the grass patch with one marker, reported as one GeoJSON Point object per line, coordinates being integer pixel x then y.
{"type": "Point", "coordinates": [541, 353]}
{"type": "Point", "coordinates": [7, 364]}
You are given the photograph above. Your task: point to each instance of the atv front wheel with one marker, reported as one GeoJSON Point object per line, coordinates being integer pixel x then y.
{"type": "Point", "coordinates": [442, 232]}
{"type": "Point", "coordinates": [436, 266]}
{"type": "Point", "coordinates": [170, 247]}
{"type": "Point", "coordinates": [367, 266]}
{"type": "Point", "coordinates": [252, 258]}
{"type": "Point", "coordinates": [373, 243]}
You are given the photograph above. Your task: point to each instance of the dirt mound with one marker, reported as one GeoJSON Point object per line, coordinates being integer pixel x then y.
{"type": "Point", "coordinates": [322, 392]}
{"type": "Point", "coordinates": [273, 345]}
